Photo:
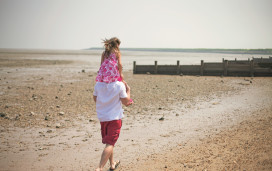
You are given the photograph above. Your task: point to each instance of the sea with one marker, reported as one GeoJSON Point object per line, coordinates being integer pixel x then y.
{"type": "Point", "coordinates": [166, 58]}
{"type": "Point", "coordinates": [90, 59]}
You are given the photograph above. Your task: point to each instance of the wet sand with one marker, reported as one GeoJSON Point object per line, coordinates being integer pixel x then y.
{"type": "Point", "coordinates": [48, 120]}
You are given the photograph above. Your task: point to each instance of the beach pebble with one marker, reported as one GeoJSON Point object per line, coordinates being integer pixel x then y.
{"type": "Point", "coordinates": [61, 113]}
{"type": "Point", "coordinates": [3, 114]}
{"type": "Point", "coordinates": [46, 118]}
{"type": "Point", "coordinates": [49, 131]}
{"type": "Point", "coordinates": [58, 125]}
{"type": "Point", "coordinates": [34, 97]}
{"type": "Point", "coordinates": [161, 119]}
{"type": "Point", "coordinates": [148, 73]}
{"type": "Point", "coordinates": [30, 88]}
{"type": "Point", "coordinates": [83, 70]}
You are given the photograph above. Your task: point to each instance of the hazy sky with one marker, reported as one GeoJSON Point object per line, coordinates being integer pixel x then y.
{"type": "Point", "coordinates": [79, 24]}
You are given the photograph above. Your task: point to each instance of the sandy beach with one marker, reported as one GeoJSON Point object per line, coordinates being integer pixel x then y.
{"type": "Point", "coordinates": [48, 120]}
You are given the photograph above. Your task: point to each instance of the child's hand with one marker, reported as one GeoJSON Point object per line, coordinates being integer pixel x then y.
{"type": "Point", "coordinates": [122, 76]}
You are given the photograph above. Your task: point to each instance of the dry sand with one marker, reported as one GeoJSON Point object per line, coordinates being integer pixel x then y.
{"type": "Point", "coordinates": [48, 120]}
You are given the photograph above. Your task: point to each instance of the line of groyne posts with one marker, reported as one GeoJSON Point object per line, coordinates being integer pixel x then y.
{"type": "Point", "coordinates": [224, 68]}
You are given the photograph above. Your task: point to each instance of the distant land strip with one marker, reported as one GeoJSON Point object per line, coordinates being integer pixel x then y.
{"type": "Point", "coordinates": [199, 50]}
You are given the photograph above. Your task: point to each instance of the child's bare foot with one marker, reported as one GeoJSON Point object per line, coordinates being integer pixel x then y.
{"type": "Point", "coordinates": [115, 165]}
{"type": "Point", "coordinates": [98, 169]}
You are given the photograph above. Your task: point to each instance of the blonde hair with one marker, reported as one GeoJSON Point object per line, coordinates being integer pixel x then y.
{"type": "Point", "coordinates": [111, 45]}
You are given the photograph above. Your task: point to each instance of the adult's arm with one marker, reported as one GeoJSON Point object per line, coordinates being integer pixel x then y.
{"type": "Point", "coordinates": [126, 101]}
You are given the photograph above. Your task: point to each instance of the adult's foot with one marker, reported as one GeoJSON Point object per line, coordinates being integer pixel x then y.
{"type": "Point", "coordinates": [115, 165]}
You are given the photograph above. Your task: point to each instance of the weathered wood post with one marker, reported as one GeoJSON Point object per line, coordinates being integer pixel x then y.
{"type": "Point", "coordinates": [251, 68]}
{"type": "Point", "coordinates": [134, 67]}
{"type": "Point", "coordinates": [222, 60]}
{"type": "Point", "coordinates": [178, 68]}
{"type": "Point", "coordinates": [201, 67]}
{"type": "Point", "coordinates": [226, 63]}
{"type": "Point", "coordinates": [156, 67]}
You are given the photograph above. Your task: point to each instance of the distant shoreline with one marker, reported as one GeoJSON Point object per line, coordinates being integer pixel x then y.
{"type": "Point", "coordinates": [46, 51]}
{"type": "Point", "coordinates": [91, 51]}
{"type": "Point", "coordinates": [199, 50]}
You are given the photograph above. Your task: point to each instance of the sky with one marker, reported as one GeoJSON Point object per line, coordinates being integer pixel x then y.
{"type": "Point", "coordinates": [81, 24]}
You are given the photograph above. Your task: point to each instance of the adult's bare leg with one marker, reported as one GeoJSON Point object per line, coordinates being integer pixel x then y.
{"type": "Point", "coordinates": [107, 153]}
{"type": "Point", "coordinates": [111, 160]}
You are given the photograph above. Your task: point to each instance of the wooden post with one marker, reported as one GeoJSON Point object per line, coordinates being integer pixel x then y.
{"type": "Point", "coordinates": [223, 60]}
{"type": "Point", "coordinates": [226, 63]}
{"type": "Point", "coordinates": [201, 67]}
{"type": "Point", "coordinates": [134, 67]}
{"type": "Point", "coordinates": [156, 67]}
{"type": "Point", "coordinates": [252, 68]}
{"type": "Point", "coordinates": [178, 68]}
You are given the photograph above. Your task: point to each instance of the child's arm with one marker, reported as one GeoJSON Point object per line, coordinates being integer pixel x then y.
{"type": "Point", "coordinates": [94, 98]}
{"type": "Point", "coordinates": [102, 58]}
{"type": "Point", "coordinates": [120, 67]}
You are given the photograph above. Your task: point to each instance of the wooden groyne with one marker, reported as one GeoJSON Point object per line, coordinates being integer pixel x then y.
{"type": "Point", "coordinates": [253, 67]}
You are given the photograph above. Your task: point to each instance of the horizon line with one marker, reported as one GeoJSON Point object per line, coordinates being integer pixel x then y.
{"type": "Point", "coordinates": [90, 48]}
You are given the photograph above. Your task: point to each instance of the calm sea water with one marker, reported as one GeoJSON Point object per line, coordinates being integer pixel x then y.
{"type": "Point", "coordinates": [165, 58]}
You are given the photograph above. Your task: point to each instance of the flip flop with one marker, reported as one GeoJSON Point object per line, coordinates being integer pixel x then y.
{"type": "Point", "coordinates": [116, 165]}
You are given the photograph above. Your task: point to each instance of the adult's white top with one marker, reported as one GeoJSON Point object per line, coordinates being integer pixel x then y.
{"type": "Point", "coordinates": [108, 103]}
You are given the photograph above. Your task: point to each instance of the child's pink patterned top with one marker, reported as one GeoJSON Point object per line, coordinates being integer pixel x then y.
{"type": "Point", "coordinates": [108, 71]}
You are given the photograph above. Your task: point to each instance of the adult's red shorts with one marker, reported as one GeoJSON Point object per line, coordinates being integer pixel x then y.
{"type": "Point", "coordinates": [110, 131]}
